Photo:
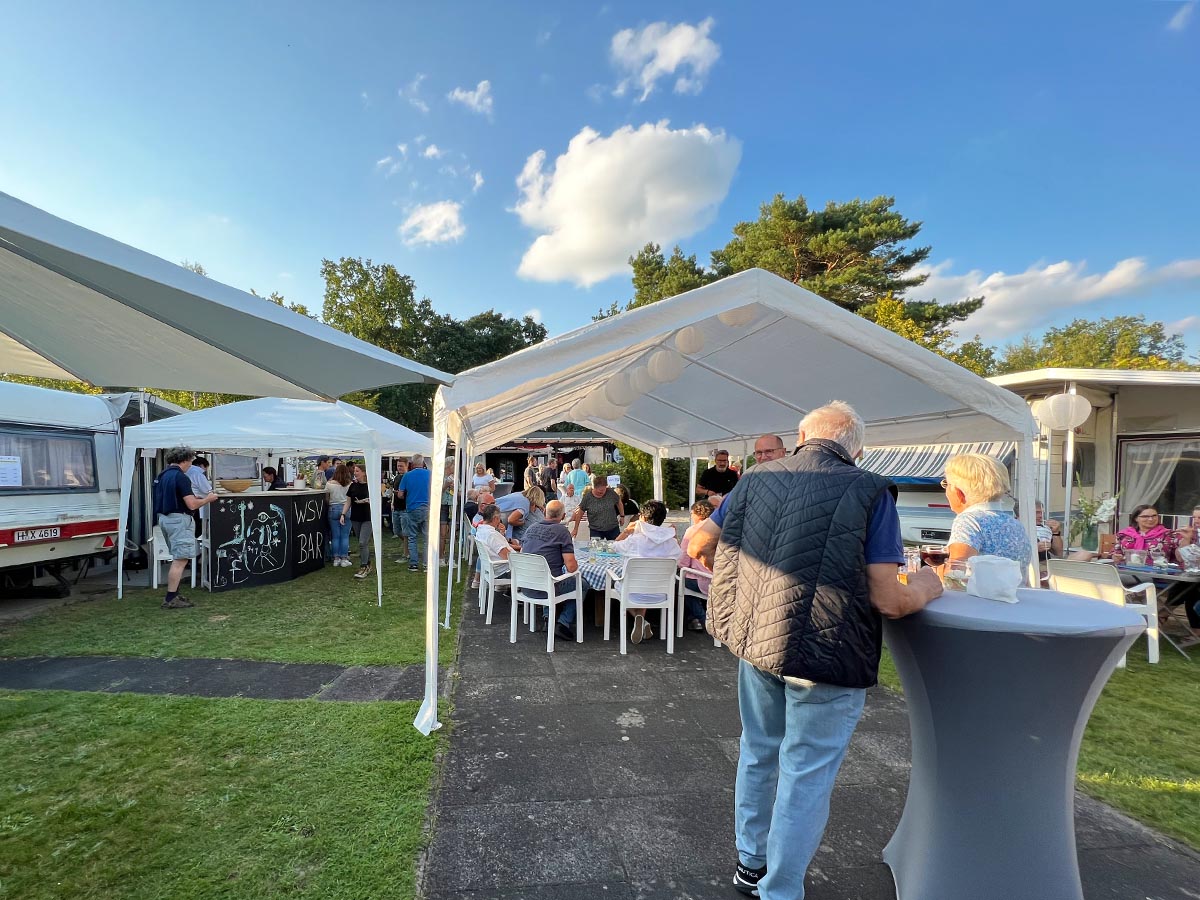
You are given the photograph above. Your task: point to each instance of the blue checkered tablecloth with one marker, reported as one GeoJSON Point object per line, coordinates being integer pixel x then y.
{"type": "Point", "coordinates": [593, 568]}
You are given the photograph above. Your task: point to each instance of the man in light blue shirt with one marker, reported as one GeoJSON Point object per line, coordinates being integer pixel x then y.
{"type": "Point", "coordinates": [577, 477]}
{"type": "Point", "coordinates": [414, 488]}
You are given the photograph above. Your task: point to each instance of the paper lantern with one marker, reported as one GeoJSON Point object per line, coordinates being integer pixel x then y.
{"type": "Point", "coordinates": [736, 318]}
{"type": "Point", "coordinates": [609, 412]}
{"type": "Point", "coordinates": [665, 365]}
{"type": "Point", "coordinates": [618, 391]}
{"type": "Point", "coordinates": [1063, 412]}
{"type": "Point", "coordinates": [689, 340]}
{"type": "Point", "coordinates": [641, 380]}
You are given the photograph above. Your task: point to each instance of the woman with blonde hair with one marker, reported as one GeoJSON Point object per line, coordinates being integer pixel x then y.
{"type": "Point", "coordinates": [984, 525]}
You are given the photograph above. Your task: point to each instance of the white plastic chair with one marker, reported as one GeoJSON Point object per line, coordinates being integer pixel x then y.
{"type": "Point", "coordinates": [489, 580]}
{"type": "Point", "coordinates": [685, 592]}
{"type": "Point", "coordinates": [162, 554]}
{"type": "Point", "coordinates": [648, 583]}
{"type": "Point", "coordinates": [531, 572]}
{"type": "Point", "coordinates": [1103, 582]}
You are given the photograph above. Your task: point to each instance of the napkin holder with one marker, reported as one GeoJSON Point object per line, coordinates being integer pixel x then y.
{"type": "Point", "coordinates": [995, 578]}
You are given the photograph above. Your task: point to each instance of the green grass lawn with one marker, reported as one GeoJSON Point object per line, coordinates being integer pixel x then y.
{"type": "Point", "coordinates": [1141, 750]}
{"type": "Point", "coordinates": [327, 617]}
{"type": "Point", "coordinates": [149, 797]}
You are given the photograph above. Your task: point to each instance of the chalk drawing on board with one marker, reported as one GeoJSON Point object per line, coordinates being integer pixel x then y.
{"type": "Point", "coordinates": [258, 546]}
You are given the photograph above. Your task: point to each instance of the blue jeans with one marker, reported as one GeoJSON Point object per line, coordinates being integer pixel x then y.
{"type": "Point", "coordinates": [399, 528]}
{"type": "Point", "coordinates": [417, 520]}
{"type": "Point", "coordinates": [794, 737]}
{"type": "Point", "coordinates": [339, 539]}
{"type": "Point", "coordinates": [693, 607]}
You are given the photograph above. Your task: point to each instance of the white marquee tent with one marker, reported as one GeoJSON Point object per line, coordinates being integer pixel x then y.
{"type": "Point", "coordinates": [717, 366]}
{"type": "Point", "coordinates": [271, 426]}
{"type": "Point", "coordinates": [79, 306]}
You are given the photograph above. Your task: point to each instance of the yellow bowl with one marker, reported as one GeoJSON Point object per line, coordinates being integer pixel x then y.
{"type": "Point", "coordinates": [237, 485]}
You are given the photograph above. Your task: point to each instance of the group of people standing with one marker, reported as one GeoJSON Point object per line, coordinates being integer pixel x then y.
{"type": "Point", "coordinates": [349, 496]}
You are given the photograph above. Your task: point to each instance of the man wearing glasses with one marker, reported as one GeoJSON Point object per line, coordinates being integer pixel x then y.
{"type": "Point", "coordinates": [718, 480]}
{"type": "Point", "coordinates": [769, 447]}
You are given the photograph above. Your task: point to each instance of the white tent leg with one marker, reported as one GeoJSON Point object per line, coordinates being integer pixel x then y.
{"type": "Point", "coordinates": [128, 464]}
{"type": "Point", "coordinates": [427, 719]}
{"type": "Point", "coordinates": [373, 460]}
{"type": "Point", "coordinates": [691, 479]}
{"type": "Point", "coordinates": [658, 477]}
{"type": "Point", "coordinates": [459, 492]}
{"type": "Point", "coordinates": [1025, 487]}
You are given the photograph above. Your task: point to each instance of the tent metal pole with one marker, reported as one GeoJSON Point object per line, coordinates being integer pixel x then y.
{"type": "Point", "coordinates": [1025, 488]}
{"type": "Point", "coordinates": [658, 476]}
{"type": "Point", "coordinates": [691, 478]}
{"type": "Point", "coordinates": [450, 544]}
{"type": "Point", "coordinates": [427, 717]}
{"type": "Point", "coordinates": [1070, 476]}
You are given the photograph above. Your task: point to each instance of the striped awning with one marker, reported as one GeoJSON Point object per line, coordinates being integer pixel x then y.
{"type": "Point", "coordinates": [927, 463]}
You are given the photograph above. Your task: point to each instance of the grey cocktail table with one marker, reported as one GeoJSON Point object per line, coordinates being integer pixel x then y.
{"type": "Point", "coordinates": [998, 696]}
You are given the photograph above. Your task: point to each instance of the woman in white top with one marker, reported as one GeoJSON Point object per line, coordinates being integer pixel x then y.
{"type": "Point", "coordinates": [339, 515]}
{"type": "Point", "coordinates": [481, 479]}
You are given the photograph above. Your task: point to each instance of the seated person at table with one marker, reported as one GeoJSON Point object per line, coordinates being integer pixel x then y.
{"type": "Point", "coordinates": [984, 524]}
{"type": "Point", "coordinates": [551, 540]}
{"type": "Point", "coordinates": [1146, 535]}
{"type": "Point", "coordinates": [471, 507]}
{"type": "Point", "coordinates": [491, 532]}
{"type": "Point", "coordinates": [693, 607]}
{"type": "Point", "coordinates": [272, 478]}
{"type": "Point", "coordinates": [570, 500]}
{"type": "Point", "coordinates": [647, 537]}
{"type": "Point", "coordinates": [603, 508]}
{"type": "Point", "coordinates": [1188, 555]}
{"type": "Point", "coordinates": [632, 510]}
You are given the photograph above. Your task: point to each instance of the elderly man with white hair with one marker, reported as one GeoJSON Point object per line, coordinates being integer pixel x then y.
{"type": "Point", "coordinates": [804, 552]}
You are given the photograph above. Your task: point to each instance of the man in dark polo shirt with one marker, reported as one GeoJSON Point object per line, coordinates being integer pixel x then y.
{"type": "Point", "coordinates": [174, 501]}
{"type": "Point", "coordinates": [718, 480]}
{"type": "Point", "coordinates": [551, 540]}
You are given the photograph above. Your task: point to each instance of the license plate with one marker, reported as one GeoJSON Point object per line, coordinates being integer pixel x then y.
{"type": "Point", "coordinates": [930, 535]}
{"type": "Point", "coordinates": [36, 534]}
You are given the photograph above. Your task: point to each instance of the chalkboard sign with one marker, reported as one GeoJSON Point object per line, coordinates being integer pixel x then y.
{"type": "Point", "coordinates": [265, 538]}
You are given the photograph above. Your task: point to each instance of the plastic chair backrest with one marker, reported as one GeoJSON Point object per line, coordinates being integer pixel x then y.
{"type": "Point", "coordinates": [1085, 579]}
{"type": "Point", "coordinates": [162, 553]}
{"type": "Point", "coordinates": [485, 558]}
{"type": "Point", "coordinates": [530, 571]}
{"type": "Point", "coordinates": [644, 575]}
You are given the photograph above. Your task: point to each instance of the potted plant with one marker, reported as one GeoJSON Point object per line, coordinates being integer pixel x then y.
{"type": "Point", "coordinates": [1093, 513]}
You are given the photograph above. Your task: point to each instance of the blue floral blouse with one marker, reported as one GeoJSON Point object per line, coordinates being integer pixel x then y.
{"type": "Point", "coordinates": [992, 530]}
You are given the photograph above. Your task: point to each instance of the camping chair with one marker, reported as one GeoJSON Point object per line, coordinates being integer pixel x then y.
{"type": "Point", "coordinates": [489, 580]}
{"type": "Point", "coordinates": [531, 572]}
{"type": "Point", "coordinates": [162, 554]}
{"type": "Point", "coordinates": [648, 583]}
{"type": "Point", "coordinates": [1103, 582]}
{"type": "Point", "coordinates": [685, 592]}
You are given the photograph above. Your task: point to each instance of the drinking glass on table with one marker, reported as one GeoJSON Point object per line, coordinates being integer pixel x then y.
{"type": "Point", "coordinates": [934, 555]}
{"type": "Point", "coordinates": [956, 575]}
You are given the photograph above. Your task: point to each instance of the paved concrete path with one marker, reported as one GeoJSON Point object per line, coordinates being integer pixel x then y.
{"type": "Point", "coordinates": [585, 775]}
{"type": "Point", "coordinates": [214, 678]}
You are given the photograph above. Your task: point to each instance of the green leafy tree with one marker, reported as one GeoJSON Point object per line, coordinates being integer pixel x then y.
{"type": "Point", "coordinates": [1120, 342]}
{"type": "Point", "coordinates": [853, 254]}
{"type": "Point", "coordinates": [279, 300]}
{"type": "Point", "coordinates": [656, 277]}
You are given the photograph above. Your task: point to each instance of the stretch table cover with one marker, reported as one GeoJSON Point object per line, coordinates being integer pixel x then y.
{"type": "Point", "coordinates": [998, 696]}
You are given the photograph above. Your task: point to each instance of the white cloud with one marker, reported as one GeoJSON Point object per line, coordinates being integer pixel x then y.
{"type": "Point", "coordinates": [477, 182]}
{"type": "Point", "coordinates": [403, 148]}
{"type": "Point", "coordinates": [1022, 301]}
{"type": "Point", "coordinates": [646, 55]}
{"type": "Point", "coordinates": [1180, 20]}
{"type": "Point", "coordinates": [607, 196]}
{"type": "Point", "coordinates": [478, 100]}
{"type": "Point", "coordinates": [434, 223]}
{"type": "Point", "coordinates": [412, 93]}
{"type": "Point", "coordinates": [534, 313]}
{"type": "Point", "coordinates": [432, 152]}
{"type": "Point", "coordinates": [383, 163]}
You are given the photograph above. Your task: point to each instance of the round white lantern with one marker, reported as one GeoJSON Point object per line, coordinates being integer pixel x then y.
{"type": "Point", "coordinates": [641, 381]}
{"type": "Point", "coordinates": [736, 318]}
{"type": "Point", "coordinates": [665, 365]}
{"type": "Point", "coordinates": [609, 412]}
{"type": "Point", "coordinates": [618, 390]}
{"type": "Point", "coordinates": [689, 340]}
{"type": "Point", "coordinates": [1063, 412]}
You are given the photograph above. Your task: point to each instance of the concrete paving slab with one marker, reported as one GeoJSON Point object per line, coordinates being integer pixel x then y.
{"type": "Point", "coordinates": [644, 768]}
{"type": "Point", "coordinates": [515, 771]}
{"type": "Point", "coordinates": [364, 683]}
{"type": "Point", "coordinates": [673, 835]}
{"type": "Point", "coordinates": [1159, 872]}
{"type": "Point", "coordinates": [613, 891]}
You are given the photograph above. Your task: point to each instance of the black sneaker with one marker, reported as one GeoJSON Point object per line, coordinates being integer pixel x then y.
{"type": "Point", "coordinates": [564, 632]}
{"type": "Point", "coordinates": [746, 879]}
{"type": "Point", "coordinates": [413, 568]}
{"type": "Point", "coordinates": [177, 602]}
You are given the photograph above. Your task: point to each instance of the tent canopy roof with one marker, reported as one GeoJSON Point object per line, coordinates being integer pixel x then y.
{"type": "Point", "coordinates": [80, 306]}
{"type": "Point", "coordinates": [283, 427]}
{"type": "Point", "coordinates": [790, 352]}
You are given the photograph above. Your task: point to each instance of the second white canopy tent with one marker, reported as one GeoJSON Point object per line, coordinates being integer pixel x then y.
{"type": "Point", "coordinates": [717, 366]}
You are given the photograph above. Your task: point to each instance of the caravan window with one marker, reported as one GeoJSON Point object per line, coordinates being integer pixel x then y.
{"type": "Point", "coordinates": [36, 461]}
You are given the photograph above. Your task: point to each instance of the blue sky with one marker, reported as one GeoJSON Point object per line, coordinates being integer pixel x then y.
{"type": "Point", "coordinates": [1052, 150]}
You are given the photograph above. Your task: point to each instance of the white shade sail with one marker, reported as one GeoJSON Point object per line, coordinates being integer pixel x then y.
{"type": "Point", "coordinates": [273, 426]}
{"type": "Point", "coordinates": [79, 306]}
{"type": "Point", "coordinates": [765, 352]}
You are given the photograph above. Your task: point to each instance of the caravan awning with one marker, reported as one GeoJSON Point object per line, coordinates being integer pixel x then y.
{"type": "Point", "coordinates": [927, 464]}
